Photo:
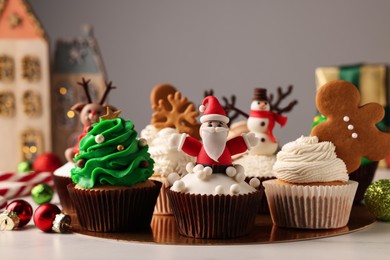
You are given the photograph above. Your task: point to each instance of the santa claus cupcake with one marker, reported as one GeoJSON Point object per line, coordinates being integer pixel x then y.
{"type": "Point", "coordinates": [213, 200]}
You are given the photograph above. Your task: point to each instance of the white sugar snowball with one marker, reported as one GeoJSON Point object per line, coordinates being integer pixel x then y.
{"type": "Point", "coordinates": [198, 167]}
{"type": "Point", "coordinates": [231, 171]}
{"type": "Point", "coordinates": [239, 168]}
{"type": "Point", "coordinates": [142, 142]}
{"type": "Point", "coordinates": [240, 177]}
{"type": "Point", "coordinates": [178, 186]}
{"type": "Point", "coordinates": [201, 175]}
{"type": "Point", "coordinates": [208, 170]}
{"type": "Point", "coordinates": [190, 167]}
{"type": "Point", "coordinates": [99, 138]}
{"type": "Point", "coordinates": [219, 190]}
{"type": "Point", "coordinates": [254, 182]}
{"type": "Point", "coordinates": [172, 177]}
{"type": "Point", "coordinates": [235, 189]}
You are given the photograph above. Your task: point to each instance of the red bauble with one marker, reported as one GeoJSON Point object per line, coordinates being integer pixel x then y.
{"type": "Point", "coordinates": [22, 209]}
{"type": "Point", "coordinates": [46, 162]}
{"type": "Point", "coordinates": [44, 216]}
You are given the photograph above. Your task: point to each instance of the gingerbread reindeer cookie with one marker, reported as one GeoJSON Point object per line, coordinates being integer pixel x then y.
{"type": "Point", "coordinates": [171, 109]}
{"type": "Point", "coordinates": [349, 126]}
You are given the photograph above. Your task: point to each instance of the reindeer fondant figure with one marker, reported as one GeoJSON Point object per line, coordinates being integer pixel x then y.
{"type": "Point", "coordinates": [89, 114]}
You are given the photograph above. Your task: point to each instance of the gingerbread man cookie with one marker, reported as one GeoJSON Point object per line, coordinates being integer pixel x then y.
{"type": "Point", "coordinates": [349, 126]}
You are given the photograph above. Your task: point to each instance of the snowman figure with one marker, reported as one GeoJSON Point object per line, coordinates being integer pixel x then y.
{"type": "Point", "coordinates": [261, 122]}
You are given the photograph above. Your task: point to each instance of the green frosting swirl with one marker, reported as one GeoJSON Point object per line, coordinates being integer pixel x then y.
{"type": "Point", "coordinates": [105, 163]}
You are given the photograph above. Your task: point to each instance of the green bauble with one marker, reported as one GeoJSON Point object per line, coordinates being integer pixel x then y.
{"type": "Point", "coordinates": [42, 193]}
{"type": "Point", "coordinates": [377, 199]}
{"type": "Point", "coordinates": [24, 167]}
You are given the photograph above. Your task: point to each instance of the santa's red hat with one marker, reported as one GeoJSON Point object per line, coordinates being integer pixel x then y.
{"type": "Point", "coordinates": [213, 111]}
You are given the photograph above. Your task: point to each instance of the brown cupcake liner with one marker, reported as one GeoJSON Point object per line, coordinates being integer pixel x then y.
{"type": "Point", "coordinates": [310, 207]}
{"type": "Point", "coordinates": [263, 208]}
{"type": "Point", "coordinates": [162, 226]}
{"type": "Point", "coordinates": [214, 216]}
{"type": "Point", "coordinates": [364, 176]}
{"type": "Point", "coordinates": [115, 210]}
{"type": "Point", "coordinates": [60, 183]}
{"type": "Point", "coordinates": [162, 205]}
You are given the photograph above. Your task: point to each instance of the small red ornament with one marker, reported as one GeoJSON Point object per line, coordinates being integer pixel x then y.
{"type": "Point", "coordinates": [16, 215]}
{"type": "Point", "coordinates": [47, 162]}
{"type": "Point", "coordinates": [48, 217]}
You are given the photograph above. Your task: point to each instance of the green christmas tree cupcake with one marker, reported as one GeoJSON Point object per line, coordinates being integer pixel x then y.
{"type": "Point", "coordinates": [111, 191]}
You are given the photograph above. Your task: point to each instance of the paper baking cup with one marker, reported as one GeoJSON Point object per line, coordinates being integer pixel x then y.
{"type": "Point", "coordinates": [60, 183]}
{"type": "Point", "coordinates": [214, 216]}
{"type": "Point", "coordinates": [311, 207]}
{"type": "Point", "coordinates": [162, 205]}
{"type": "Point", "coordinates": [115, 210]}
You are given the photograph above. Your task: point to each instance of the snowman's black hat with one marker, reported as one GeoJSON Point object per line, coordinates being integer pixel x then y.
{"type": "Point", "coordinates": [260, 94]}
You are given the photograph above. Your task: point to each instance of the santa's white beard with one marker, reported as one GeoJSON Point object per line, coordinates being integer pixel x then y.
{"type": "Point", "coordinates": [214, 141]}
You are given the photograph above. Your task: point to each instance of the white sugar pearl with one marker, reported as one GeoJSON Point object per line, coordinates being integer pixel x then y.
{"type": "Point", "coordinates": [208, 170]}
{"type": "Point", "coordinates": [99, 139]}
{"type": "Point", "coordinates": [201, 175]}
{"type": "Point", "coordinates": [235, 189]}
{"type": "Point", "coordinates": [172, 177]}
{"type": "Point", "coordinates": [350, 127]}
{"type": "Point", "coordinates": [190, 167]}
{"type": "Point", "coordinates": [231, 171]}
{"type": "Point", "coordinates": [198, 167]}
{"type": "Point", "coordinates": [254, 182]}
{"type": "Point", "coordinates": [178, 186]}
{"type": "Point", "coordinates": [239, 168]}
{"type": "Point", "coordinates": [219, 190]}
{"type": "Point", "coordinates": [142, 142]}
{"type": "Point", "coordinates": [346, 118]}
{"type": "Point", "coordinates": [354, 135]}
{"type": "Point", "coordinates": [240, 177]}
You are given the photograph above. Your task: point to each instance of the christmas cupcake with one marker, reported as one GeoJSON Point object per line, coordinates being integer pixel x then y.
{"type": "Point", "coordinates": [312, 189]}
{"type": "Point", "coordinates": [213, 200]}
{"type": "Point", "coordinates": [111, 190]}
{"type": "Point", "coordinates": [172, 114]}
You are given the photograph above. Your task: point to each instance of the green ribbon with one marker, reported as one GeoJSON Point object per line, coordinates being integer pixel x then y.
{"type": "Point", "coordinates": [351, 73]}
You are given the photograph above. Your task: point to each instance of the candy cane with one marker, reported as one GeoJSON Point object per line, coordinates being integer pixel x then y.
{"type": "Point", "coordinates": [18, 185]}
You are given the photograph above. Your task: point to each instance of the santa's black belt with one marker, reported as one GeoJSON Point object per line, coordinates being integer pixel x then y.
{"type": "Point", "coordinates": [216, 167]}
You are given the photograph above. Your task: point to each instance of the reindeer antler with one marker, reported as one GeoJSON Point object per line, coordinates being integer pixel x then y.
{"type": "Point", "coordinates": [208, 93]}
{"type": "Point", "coordinates": [231, 107]}
{"type": "Point", "coordinates": [109, 86]}
{"type": "Point", "coordinates": [84, 83]}
{"type": "Point", "coordinates": [281, 96]}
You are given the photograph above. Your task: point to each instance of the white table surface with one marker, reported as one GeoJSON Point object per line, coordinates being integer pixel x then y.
{"type": "Point", "coordinates": [31, 243]}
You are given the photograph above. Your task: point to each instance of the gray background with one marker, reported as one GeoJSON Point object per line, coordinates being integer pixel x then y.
{"type": "Point", "coordinates": [230, 46]}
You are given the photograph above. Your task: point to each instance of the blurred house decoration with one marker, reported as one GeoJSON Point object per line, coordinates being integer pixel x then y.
{"type": "Point", "coordinates": [35, 98]}
{"type": "Point", "coordinates": [74, 59]}
{"type": "Point", "coordinates": [25, 119]}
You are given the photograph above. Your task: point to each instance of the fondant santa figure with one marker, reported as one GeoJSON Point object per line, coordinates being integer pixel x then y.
{"type": "Point", "coordinates": [261, 120]}
{"type": "Point", "coordinates": [215, 151]}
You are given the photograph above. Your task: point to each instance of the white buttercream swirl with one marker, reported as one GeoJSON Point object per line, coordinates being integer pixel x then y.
{"type": "Point", "coordinates": [167, 159]}
{"type": "Point", "coordinates": [306, 160]}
